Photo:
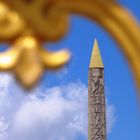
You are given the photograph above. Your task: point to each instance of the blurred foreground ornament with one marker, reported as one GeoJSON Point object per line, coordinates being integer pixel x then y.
{"type": "Point", "coordinates": [47, 20]}
{"type": "Point", "coordinates": [28, 60]}
{"type": "Point", "coordinates": [26, 57]}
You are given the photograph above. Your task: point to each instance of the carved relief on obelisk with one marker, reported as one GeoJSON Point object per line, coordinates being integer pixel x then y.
{"type": "Point", "coordinates": [96, 98]}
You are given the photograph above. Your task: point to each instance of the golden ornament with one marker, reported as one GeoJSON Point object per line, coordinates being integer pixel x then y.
{"type": "Point", "coordinates": [47, 20]}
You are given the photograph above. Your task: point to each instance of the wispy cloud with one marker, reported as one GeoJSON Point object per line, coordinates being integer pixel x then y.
{"type": "Point", "coordinates": [57, 113]}
{"type": "Point", "coordinates": [110, 117]}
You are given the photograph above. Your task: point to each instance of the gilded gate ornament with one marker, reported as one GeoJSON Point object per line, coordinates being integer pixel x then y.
{"type": "Point", "coordinates": [26, 57]}
{"type": "Point", "coordinates": [47, 20]}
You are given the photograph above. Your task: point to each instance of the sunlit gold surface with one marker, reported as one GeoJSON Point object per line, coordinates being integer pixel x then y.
{"type": "Point", "coordinates": [9, 59]}
{"type": "Point", "coordinates": [96, 59]}
{"type": "Point", "coordinates": [48, 21]}
{"type": "Point", "coordinates": [26, 57]}
{"type": "Point", "coordinates": [33, 60]}
{"type": "Point", "coordinates": [11, 24]}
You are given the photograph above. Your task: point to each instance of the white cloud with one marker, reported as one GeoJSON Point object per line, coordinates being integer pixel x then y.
{"type": "Point", "coordinates": [58, 113]}
{"type": "Point", "coordinates": [110, 117]}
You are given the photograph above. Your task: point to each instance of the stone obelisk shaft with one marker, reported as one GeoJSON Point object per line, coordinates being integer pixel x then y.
{"type": "Point", "coordinates": [96, 98]}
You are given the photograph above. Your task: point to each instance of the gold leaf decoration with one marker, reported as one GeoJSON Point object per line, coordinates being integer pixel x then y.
{"type": "Point", "coordinates": [47, 20]}
{"type": "Point", "coordinates": [26, 56]}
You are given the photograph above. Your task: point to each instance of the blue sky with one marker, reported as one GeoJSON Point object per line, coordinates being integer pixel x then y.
{"type": "Point", "coordinates": [71, 81]}
{"type": "Point", "coordinates": [120, 87]}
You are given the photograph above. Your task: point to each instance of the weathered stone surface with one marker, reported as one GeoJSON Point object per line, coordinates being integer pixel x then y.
{"type": "Point", "coordinates": [96, 105]}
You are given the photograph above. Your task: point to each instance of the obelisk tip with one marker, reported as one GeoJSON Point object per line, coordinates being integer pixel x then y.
{"type": "Point", "coordinates": [96, 59]}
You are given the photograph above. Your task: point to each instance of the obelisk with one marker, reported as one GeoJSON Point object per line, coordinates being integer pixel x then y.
{"type": "Point", "coordinates": [96, 97]}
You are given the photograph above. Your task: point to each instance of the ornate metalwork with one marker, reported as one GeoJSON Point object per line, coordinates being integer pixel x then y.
{"type": "Point", "coordinates": [47, 20]}
{"type": "Point", "coordinates": [26, 57]}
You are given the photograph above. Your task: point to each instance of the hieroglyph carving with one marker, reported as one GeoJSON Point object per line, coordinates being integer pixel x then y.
{"type": "Point", "coordinates": [96, 105]}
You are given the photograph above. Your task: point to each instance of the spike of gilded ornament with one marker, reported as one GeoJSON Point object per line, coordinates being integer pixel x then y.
{"type": "Point", "coordinates": [54, 60]}
{"type": "Point", "coordinates": [9, 59]}
{"type": "Point", "coordinates": [29, 68]}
